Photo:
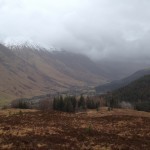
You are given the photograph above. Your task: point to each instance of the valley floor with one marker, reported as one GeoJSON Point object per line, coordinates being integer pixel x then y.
{"type": "Point", "coordinates": [103, 130]}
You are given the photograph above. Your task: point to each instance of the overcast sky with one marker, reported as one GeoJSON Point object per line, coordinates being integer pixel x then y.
{"type": "Point", "coordinates": [103, 29]}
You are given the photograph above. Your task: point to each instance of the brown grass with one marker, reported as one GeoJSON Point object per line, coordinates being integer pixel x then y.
{"type": "Point", "coordinates": [103, 130]}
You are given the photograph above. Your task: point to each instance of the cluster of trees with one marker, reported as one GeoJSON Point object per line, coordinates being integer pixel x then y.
{"type": "Point", "coordinates": [137, 90]}
{"type": "Point", "coordinates": [92, 104]}
{"type": "Point", "coordinates": [60, 103]}
{"type": "Point", "coordinates": [111, 102]}
{"type": "Point", "coordinates": [71, 104]}
{"type": "Point", "coordinates": [67, 104]}
{"type": "Point", "coordinates": [20, 103]}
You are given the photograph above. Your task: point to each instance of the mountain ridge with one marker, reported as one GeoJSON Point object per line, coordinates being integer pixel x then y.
{"type": "Point", "coordinates": [28, 72]}
{"type": "Point", "coordinates": [114, 85]}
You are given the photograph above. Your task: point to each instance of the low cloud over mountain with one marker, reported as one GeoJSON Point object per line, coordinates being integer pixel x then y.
{"type": "Point", "coordinates": [101, 29]}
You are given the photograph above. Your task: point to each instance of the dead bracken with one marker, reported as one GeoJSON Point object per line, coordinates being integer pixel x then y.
{"type": "Point", "coordinates": [37, 130]}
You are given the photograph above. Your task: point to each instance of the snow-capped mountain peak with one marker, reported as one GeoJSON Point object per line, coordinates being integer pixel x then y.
{"type": "Point", "coordinates": [15, 43]}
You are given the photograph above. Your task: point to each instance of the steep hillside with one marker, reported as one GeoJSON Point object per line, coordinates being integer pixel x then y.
{"type": "Point", "coordinates": [68, 68]}
{"type": "Point", "coordinates": [137, 93]}
{"type": "Point", "coordinates": [26, 71]}
{"type": "Point", "coordinates": [121, 83]}
{"type": "Point", "coordinates": [19, 78]}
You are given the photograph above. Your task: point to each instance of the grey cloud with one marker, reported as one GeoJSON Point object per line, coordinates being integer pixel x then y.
{"type": "Point", "coordinates": [102, 29]}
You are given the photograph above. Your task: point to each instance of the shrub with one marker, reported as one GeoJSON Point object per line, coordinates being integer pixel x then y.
{"type": "Point", "coordinates": [89, 129]}
{"type": "Point", "coordinates": [20, 103]}
{"type": "Point", "coordinates": [5, 107]}
{"type": "Point", "coordinates": [91, 104]}
{"type": "Point", "coordinates": [82, 102]}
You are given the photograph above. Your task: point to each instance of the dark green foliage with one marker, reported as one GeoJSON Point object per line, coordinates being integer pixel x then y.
{"type": "Point", "coordinates": [73, 101]}
{"type": "Point", "coordinates": [82, 102]}
{"type": "Point", "coordinates": [70, 104]}
{"type": "Point", "coordinates": [89, 129]}
{"type": "Point", "coordinates": [67, 104]}
{"type": "Point", "coordinates": [23, 105]}
{"type": "Point", "coordinates": [54, 103]}
{"type": "Point", "coordinates": [111, 101]}
{"type": "Point", "coordinates": [143, 106]}
{"type": "Point", "coordinates": [139, 89]}
{"type": "Point", "coordinates": [137, 93]}
{"type": "Point", "coordinates": [91, 104]}
{"type": "Point", "coordinates": [20, 103]}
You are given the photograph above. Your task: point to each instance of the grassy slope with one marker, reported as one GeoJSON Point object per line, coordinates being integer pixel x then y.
{"type": "Point", "coordinates": [29, 73]}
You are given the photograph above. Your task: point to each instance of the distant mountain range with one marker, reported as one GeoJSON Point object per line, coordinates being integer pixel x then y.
{"type": "Point", "coordinates": [27, 71]}
{"type": "Point", "coordinates": [121, 83]}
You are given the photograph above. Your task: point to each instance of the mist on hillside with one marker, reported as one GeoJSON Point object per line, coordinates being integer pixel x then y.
{"type": "Point", "coordinates": [102, 29]}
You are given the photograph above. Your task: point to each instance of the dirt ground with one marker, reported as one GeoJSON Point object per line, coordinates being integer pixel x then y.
{"type": "Point", "coordinates": [102, 130]}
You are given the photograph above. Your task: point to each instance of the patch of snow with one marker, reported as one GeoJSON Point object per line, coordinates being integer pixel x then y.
{"type": "Point", "coordinates": [20, 42]}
